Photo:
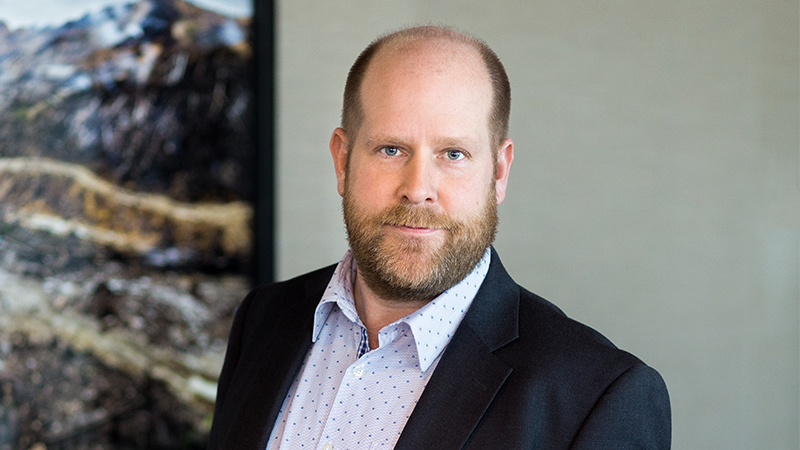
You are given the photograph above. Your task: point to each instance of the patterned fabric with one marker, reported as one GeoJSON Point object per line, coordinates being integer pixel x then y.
{"type": "Point", "coordinates": [348, 397]}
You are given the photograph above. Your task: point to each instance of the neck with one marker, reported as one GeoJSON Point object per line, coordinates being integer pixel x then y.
{"type": "Point", "coordinates": [376, 312]}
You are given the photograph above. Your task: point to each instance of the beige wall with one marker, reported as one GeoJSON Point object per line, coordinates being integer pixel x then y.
{"type": "Point", "coordinates": [654, 195]}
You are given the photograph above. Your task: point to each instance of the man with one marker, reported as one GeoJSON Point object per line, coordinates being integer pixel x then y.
{"type": "Point", "coordinates": [418, 338]}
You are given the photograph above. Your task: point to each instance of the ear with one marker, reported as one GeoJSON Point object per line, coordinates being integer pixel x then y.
{"type": "Point", "coordinates": [505, 155]}
{"type": "Point", "coordinates": [338, 146]}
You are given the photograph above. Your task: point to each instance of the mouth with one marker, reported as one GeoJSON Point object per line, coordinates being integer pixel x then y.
{"type": "Point", "coordinates": [414, 229]}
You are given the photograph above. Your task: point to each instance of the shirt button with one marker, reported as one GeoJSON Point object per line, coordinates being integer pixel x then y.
{"type": "Point", "coordinates": [358, 372]}
{"type": "Point", "coordinates": [327, 447]}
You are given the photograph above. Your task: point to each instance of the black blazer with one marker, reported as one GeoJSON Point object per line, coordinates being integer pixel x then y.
{"type": "Point", "coordinates": [517, 374]}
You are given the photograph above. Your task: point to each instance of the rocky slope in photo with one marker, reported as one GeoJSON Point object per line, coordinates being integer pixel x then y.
{"type": "Point", "coordinates": [126, 181]}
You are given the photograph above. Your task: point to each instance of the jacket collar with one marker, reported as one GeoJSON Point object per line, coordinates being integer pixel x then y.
{"type": "Point", "coordinates": [494, 315]}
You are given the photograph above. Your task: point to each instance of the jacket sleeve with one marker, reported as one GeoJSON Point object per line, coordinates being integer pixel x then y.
{"type": "Point", "coordinates": [632, 413]}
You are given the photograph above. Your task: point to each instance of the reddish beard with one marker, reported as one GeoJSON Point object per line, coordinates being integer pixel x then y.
{"type": "Point", "coordinates": [416, 268]}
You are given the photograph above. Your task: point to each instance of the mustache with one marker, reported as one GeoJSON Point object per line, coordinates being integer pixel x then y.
{"type": "Point", "coordinates": [404, 215]}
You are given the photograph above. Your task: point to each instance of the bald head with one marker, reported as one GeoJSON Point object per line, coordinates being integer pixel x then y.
{"type": "Point", "coordinates": [429, 42]}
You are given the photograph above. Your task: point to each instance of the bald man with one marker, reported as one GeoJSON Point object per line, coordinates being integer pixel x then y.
{"type": "Point", "coordinates": [418, 338]}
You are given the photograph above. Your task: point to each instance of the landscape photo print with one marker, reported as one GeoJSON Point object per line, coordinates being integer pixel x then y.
{"type": "Point", "coordinates": [126, 217]}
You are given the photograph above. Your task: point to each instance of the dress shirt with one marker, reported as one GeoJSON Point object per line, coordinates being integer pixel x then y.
{"type": "Point", "coordinates": [348, 397]}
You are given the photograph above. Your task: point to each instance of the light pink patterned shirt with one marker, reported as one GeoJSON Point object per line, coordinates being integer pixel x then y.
{"type": "Point", "coordinates": [347, 397]}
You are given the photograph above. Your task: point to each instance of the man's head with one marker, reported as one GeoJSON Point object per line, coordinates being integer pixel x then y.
{"type": "Point", "coordinates": [352, 110]}
{"type": "Point", "coordinates": [423, 163]}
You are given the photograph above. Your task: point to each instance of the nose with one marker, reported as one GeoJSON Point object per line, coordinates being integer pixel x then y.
{"type": "Point", "coordinates": [419, 182]}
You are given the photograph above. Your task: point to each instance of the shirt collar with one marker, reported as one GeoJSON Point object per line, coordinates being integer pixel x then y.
{"type": "Point", "coordinates": [432, 325]}
{"type": "Point", "coordinates": [340, 293]}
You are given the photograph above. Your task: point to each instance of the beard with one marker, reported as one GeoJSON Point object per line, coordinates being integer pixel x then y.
{"type": "Point", "coordinates": [416, 268]}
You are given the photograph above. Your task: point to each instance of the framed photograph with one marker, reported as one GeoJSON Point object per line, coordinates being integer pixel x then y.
{"type": "Point", "coordinates": [128, 201]}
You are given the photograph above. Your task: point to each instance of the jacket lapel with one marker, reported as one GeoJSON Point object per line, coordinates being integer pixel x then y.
{"type": "Point", "coordinates": [469, 375]}
{"type": "Point", "coordinates": [273, 370]}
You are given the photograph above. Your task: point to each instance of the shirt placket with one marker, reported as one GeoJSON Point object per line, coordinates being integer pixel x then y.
{"type": "Point", "coordinates": [340, 429]}
{"type": "Point", "coordinates": [350, 422]}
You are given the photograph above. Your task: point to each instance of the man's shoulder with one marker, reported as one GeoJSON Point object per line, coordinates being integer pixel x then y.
{"type": "Point", "coordinates": [544, 318]}
{"type": "Point", "coordinates": [566, 345]}
{"type": "Point", "coordinates": [542, 328]}
{"type": "Point", "coordinates": [303, 291]}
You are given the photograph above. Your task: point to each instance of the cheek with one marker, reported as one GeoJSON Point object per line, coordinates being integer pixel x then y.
{"type": "Point", "coordinates": [464, 198]}
{"type": "Point", "coordinates": [369, 189]}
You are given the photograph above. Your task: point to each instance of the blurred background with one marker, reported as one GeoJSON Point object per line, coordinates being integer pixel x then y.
{"type": "Point", "coordinates": [654, 194]}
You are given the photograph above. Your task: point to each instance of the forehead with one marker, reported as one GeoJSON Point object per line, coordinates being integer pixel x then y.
{"type": "Point", "coordinates": [432, 80]}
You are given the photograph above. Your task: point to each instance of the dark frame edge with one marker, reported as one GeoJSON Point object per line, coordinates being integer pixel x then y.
{"type": "Point", "coordinates": [264, 29]}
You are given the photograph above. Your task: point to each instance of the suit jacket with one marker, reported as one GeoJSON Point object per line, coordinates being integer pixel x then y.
{"type": "Point", "coordinates": [518, 373]}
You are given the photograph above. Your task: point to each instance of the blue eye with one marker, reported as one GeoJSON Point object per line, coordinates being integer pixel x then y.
{"type": "Point", "coordinates": [390, 151]}
{"type": "Point", "coordinates": [454, 155]}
